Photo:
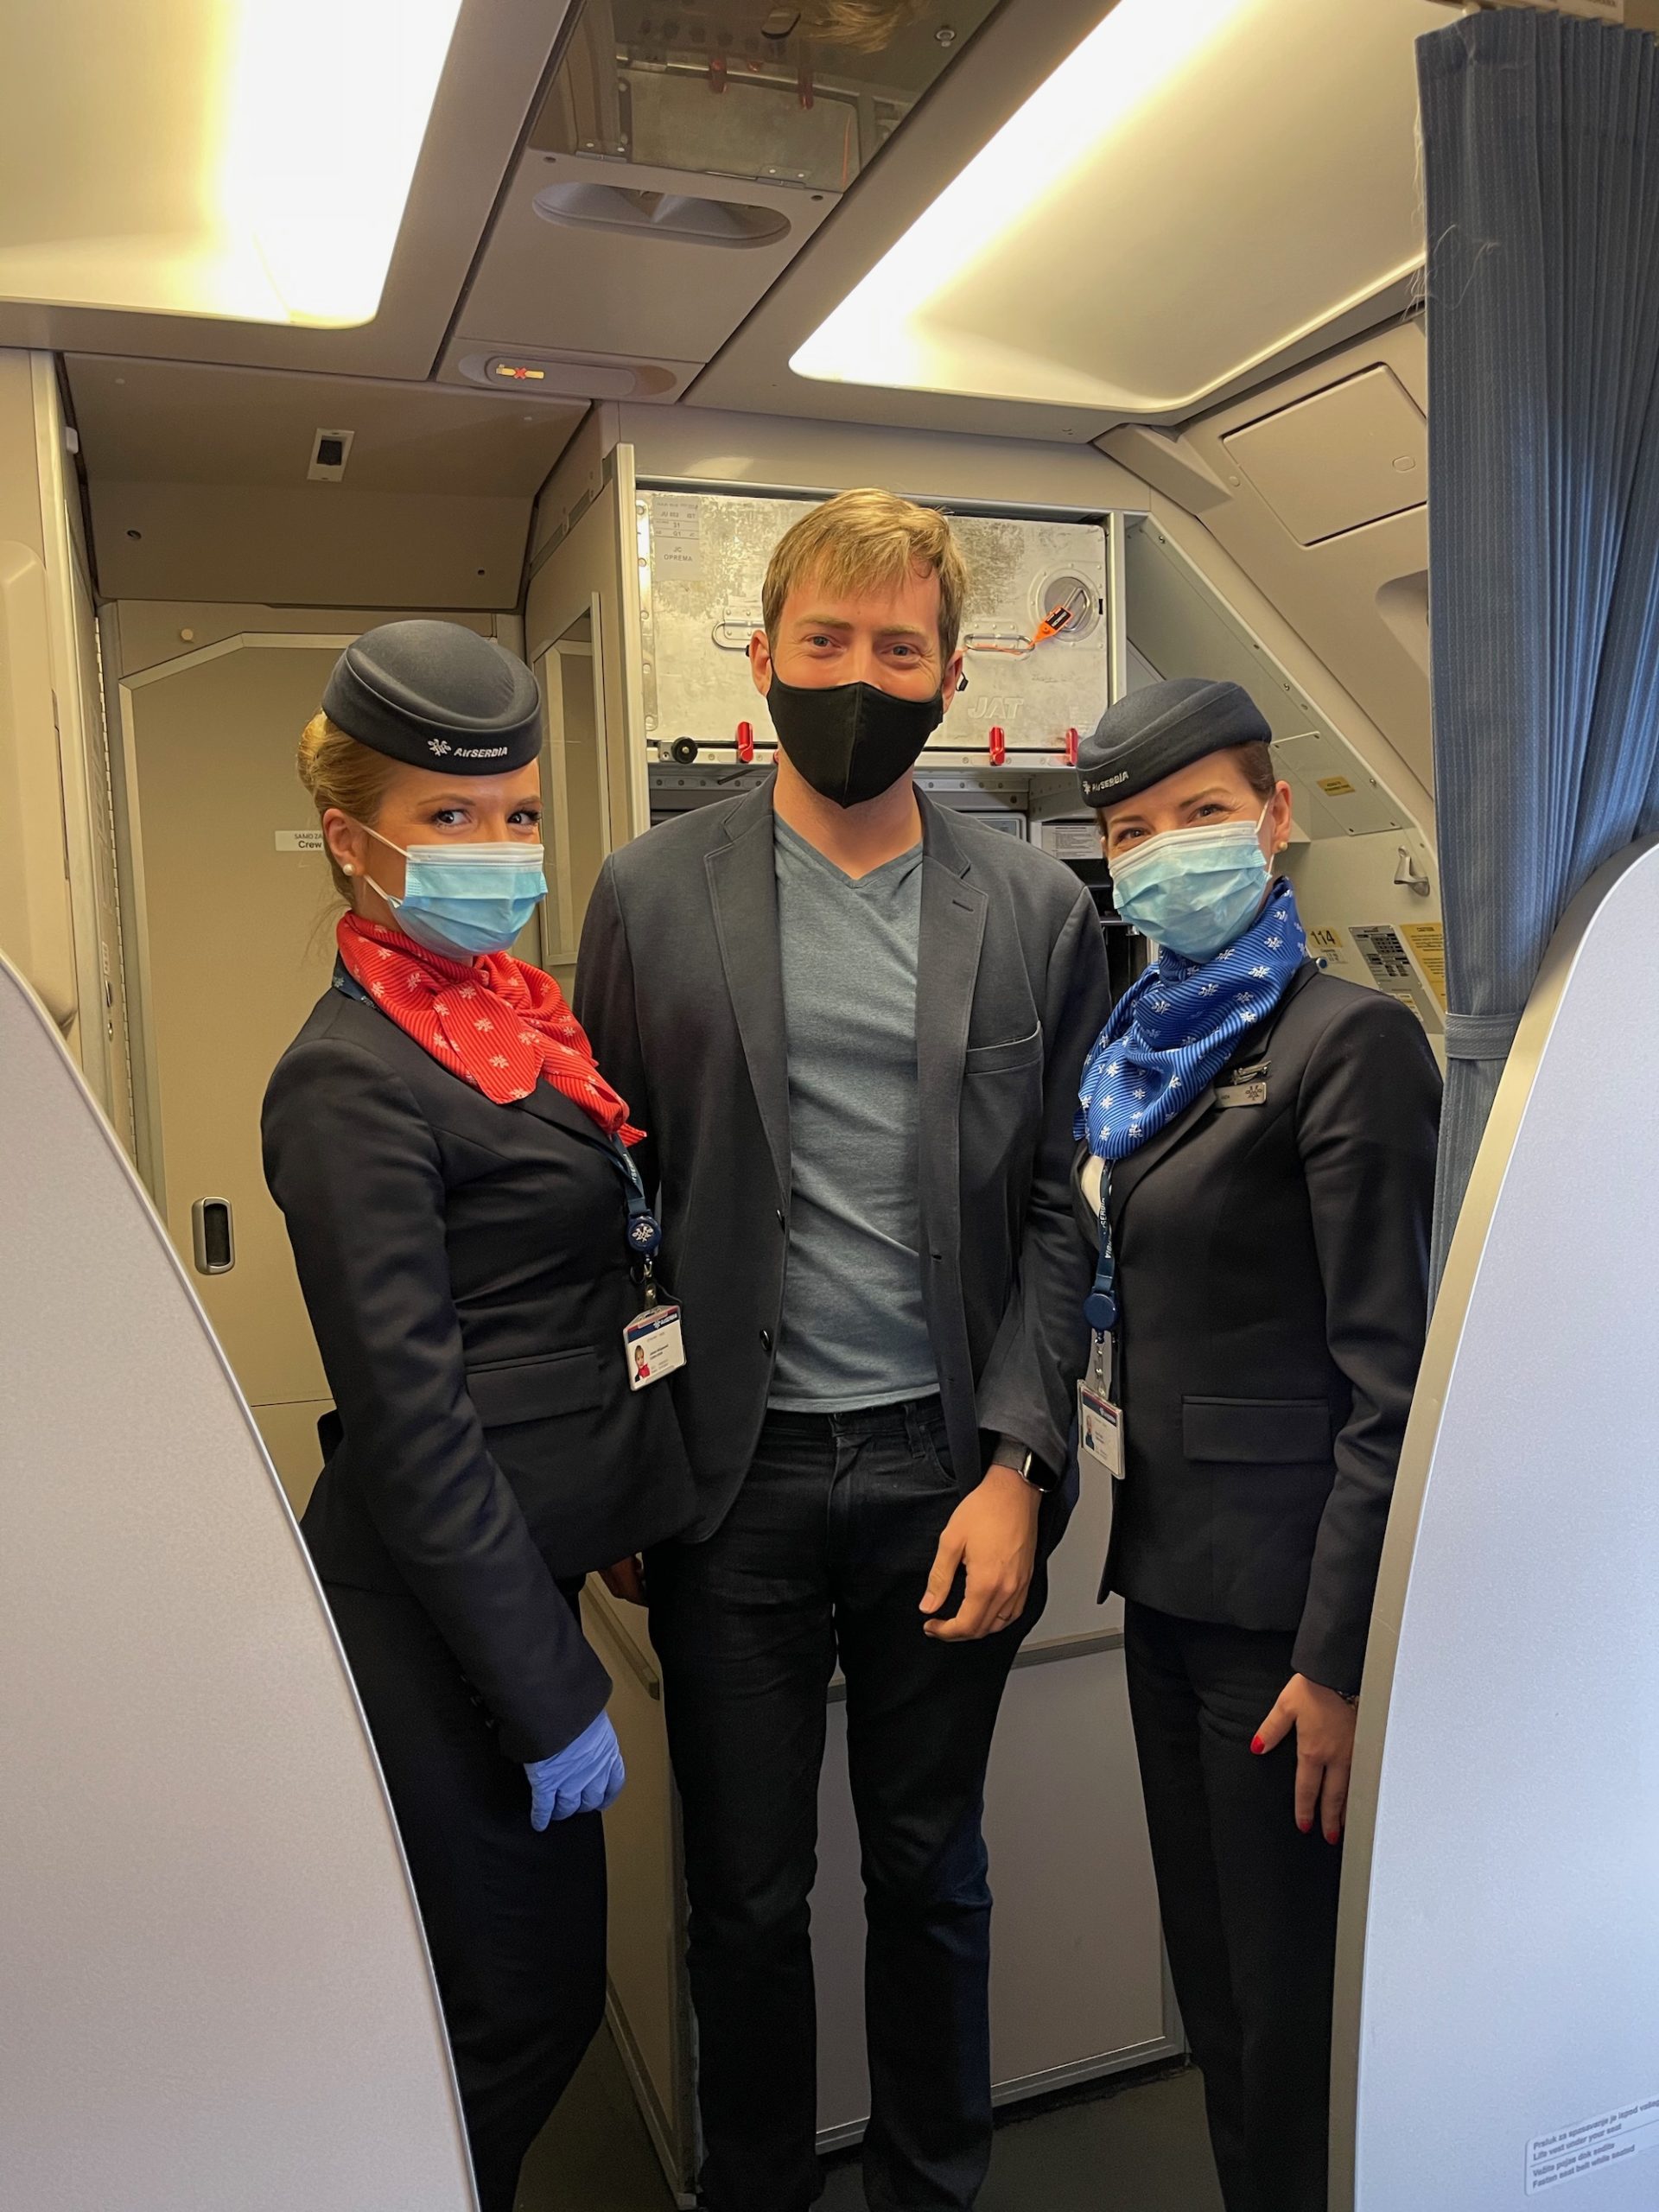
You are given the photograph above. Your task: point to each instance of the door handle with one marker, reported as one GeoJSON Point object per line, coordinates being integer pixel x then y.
{"type": "Point", "coordinates": [213, 1236]}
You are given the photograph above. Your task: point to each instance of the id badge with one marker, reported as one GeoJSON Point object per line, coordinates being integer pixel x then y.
{"type": "Point", "coordinates": [1243, 1086]}
{"type": "Point", "coordinates": [653, 1346]}
{"type": "Point", "coordinates": [1100, 1433]}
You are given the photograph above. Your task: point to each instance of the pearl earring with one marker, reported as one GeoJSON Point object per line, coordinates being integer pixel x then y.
{"type": "Point", "coordinates": [346, 868]}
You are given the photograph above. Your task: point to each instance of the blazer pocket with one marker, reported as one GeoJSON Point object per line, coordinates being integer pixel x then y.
{"type": "Point", "coordinates": [998, 1059]}
{"type": "Point", "coordinates": [1257, 1431]}
{"type": "Point", "coordinates": [535, 1389]}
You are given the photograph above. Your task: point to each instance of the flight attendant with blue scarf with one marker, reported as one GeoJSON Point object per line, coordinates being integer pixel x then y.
{"type": "Point", "coordinates": [1261, 1138]}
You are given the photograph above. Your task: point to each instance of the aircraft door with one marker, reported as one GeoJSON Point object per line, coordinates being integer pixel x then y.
{"type": "Point", "coordinates": [236, 913]}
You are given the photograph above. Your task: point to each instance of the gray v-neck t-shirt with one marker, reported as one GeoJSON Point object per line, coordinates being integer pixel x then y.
{"type": "Point", "coordinates": [853, 1331]}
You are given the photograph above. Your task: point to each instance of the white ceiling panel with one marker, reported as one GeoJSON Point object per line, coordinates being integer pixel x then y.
{"type": "Point", "coordinates": [84, 104]}
{"type": "Point", "coordinates": [1006, 60]}
{"type": "Point", "coordinates": [167, 422]}
{"type": "Point", "coordinates": [199, 489]}
{"type": "Point", "coordinates": [1201, 185]}
{"type": "Point", "coordinates": [1254, 205]}
{"type": "Point", "coordinates": [617, 265]}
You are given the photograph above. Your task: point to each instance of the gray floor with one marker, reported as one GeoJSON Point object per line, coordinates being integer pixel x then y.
{"type": "Point", "coordinates": [1140, 2148]}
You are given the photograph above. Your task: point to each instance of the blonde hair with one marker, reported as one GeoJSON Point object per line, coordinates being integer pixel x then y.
{"type": "Point", "coordinates": [339, 772]}
{"type": "Point", "coordinates": [865, 26]}
{"type": "Point", "coordinates": [867, 541]}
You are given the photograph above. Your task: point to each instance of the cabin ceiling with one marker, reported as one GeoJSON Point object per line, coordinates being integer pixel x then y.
{"type": "Point", "coordinates": [619, 199]}
{"type": "Point", "coordinates": [638, 214]}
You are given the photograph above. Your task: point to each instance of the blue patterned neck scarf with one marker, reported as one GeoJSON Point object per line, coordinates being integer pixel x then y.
{"type": "Point", "coordinates": [1175, 1029]}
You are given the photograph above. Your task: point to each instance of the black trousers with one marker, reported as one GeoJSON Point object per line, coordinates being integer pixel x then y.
{"type": "Point", "coordinates": [515, 1921]}
{"type": "Point", "coordinates": [1248, 1903]}
{"type": "Point", "coordinates": [826, 1554]}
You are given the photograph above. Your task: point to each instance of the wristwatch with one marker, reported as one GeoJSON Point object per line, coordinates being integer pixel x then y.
{"type": "Point", "coordinates": [1031, 1470]}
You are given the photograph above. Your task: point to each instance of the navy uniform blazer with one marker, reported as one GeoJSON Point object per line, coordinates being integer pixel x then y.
{"type": "Point", "coordinates": [1273, 1285]}
{"type": "Point", "coordinates": [467, 1271]}
{"type": "Point", "coordinates": [680, 986]}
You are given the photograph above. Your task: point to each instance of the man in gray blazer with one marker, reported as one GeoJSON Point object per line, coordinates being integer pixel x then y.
{"type": "Point", "coordinates": [853, 1026]}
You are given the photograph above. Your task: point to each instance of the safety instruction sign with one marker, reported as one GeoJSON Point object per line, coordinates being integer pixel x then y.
{"type": "Point", "coordinates": [1383, 953]}
{"type": "Point", "coordinates": [1608, 2140]}
{"type": "Point", "coordinates": [1428, 941]}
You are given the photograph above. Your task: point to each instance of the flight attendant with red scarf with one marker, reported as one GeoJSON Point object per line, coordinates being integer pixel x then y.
{"type": "Point", "coordinates": [453, 1171]}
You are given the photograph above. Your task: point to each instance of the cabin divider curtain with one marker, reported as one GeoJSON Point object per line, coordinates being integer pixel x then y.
{"type": "Point", "coordinates": [1540, 162]}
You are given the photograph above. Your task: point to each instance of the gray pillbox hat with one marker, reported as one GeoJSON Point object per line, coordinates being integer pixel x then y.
{"type": "Point", "coordinates": [436, 696]}
{"type": "Point", "coordinates": [1165, 727]}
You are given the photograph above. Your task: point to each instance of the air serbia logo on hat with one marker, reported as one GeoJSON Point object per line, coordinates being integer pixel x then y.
{"type": "Point", "coordinates": [429, 693]}
{"type": "Point", "coordinates": [442, 748]}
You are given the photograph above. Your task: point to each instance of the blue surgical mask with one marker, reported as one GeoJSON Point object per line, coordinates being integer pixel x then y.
{"type": "Point", "coordinates": [1193, 890]}
{"type": "Point", "coordinates": [465, 900]}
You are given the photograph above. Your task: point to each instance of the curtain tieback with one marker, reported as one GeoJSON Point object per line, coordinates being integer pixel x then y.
{"type": "Point", "coordinates": [1480, 1036]}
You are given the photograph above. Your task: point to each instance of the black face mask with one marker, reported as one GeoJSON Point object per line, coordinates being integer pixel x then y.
{"type": "Point", "coordinates": [850, 742]}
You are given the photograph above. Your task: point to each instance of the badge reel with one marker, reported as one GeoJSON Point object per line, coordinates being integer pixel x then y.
{"type": "Point", "coordinates": [652, 1341]}
{"type": "Point", "coordinates": [1100, 1423]}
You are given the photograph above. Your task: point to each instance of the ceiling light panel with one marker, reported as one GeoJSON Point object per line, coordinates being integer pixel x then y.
{"type": "Point", "coordinates": [1200, 185]}
{"type": "Point", "coordinates": [249, 159]}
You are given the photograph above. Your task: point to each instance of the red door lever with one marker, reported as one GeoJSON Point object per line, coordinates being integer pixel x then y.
{"type": "Point", "coordinates": [746, 741]}
{"type": "Point", "coordinates": [999, 745]}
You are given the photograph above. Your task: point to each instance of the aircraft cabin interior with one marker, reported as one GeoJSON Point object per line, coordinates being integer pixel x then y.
{"type": "Point", "coordinates": [547, 319]}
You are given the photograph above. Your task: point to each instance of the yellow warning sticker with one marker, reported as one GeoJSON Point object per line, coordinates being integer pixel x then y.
{"type": "Point", "coordinates": [1336, 786]}
{"type": "Point", "coordinates": [1427, 942]}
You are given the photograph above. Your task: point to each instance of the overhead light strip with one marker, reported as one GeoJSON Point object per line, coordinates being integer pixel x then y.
{"type": "Point", "coordinates": [1130, 58]}
{"type": "Point", "coordinates": [328, 102]}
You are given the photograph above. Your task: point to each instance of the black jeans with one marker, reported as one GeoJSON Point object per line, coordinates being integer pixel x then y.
{"type": "Point", "coordinates": [826, 1551]}
{"type": "Point", "coordinates": [515, 1921]}
{"type": "Point", "coordinates": [1248, 1903]}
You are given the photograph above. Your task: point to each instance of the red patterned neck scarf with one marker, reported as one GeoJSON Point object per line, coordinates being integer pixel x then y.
{"type": "Point", "coordinates": [497, 1022]}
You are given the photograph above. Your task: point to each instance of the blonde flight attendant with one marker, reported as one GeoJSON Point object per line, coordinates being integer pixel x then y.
{"type": "Point", "coordinates": [1255, 1182]}
{"type": "Point", "coordinates": [454, 1173]}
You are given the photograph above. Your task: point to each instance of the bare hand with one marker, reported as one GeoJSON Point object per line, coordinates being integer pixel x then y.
{"type": "Point", "coordinates": [626, 1580]}
{"type": "Point", "coordinates": [1325, 1750]}
{"type": "Point", "coordinates": [992, 1534]}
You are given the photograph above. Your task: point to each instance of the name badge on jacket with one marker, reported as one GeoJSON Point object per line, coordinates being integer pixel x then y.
{"type": "Point", "coordinates": [1243, 1086]}
{"type": "Point", "coordinates": [1100, 1433]}
{"type": "Point", "coordinates": [654, 1346]}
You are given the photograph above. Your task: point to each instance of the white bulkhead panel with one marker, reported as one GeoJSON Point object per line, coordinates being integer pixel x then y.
{"type": "Point", "coordinates": [704, 558]}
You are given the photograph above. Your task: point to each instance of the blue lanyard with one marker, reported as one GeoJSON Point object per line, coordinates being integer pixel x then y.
{"type": "Point", "coordinates": [1100, 1307]}
{"type": "Point", "coordinates": [644, 1230]}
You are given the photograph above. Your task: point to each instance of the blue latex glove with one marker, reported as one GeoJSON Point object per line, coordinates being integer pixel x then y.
{"type": "Point", "coordinates": [583, 1777]}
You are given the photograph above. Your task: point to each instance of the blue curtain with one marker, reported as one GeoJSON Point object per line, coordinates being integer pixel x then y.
{"type": "Point", "coordinates": [1540, 147]}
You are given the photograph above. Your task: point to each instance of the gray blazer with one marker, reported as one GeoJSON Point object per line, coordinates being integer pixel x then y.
{"type": "Point", "coordinates": [680, 988]}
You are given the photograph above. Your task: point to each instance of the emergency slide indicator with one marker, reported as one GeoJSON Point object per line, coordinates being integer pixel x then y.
{"type": "Point", "coordinates": [1585, 2149]}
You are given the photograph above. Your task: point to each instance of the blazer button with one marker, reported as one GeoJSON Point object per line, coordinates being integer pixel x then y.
{"type": "Point", "coordinates": [765, 1339]}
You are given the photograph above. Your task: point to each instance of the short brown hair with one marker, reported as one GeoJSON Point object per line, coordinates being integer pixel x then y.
{"type": "Point", "coordinates": [1256, 764]}
{"type": "Point", "coordinates": [339, 772]}
{"type": "Point", "coordinates": [865, 541]}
